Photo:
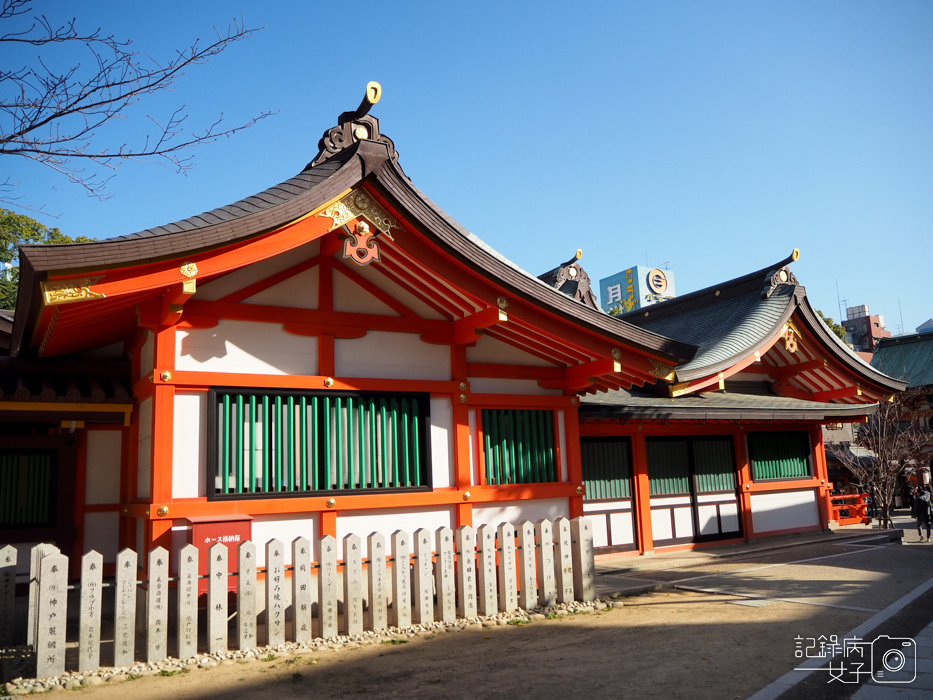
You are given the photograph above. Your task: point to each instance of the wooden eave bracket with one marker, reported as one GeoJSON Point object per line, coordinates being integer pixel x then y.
{"type": "Point", "coordinates": [583, 376]}
{"type": "Point", "coordinates": [467, 330]}
{"type": "Point", "coordinates": [791, 370]}
{"type": "Point", "coordinates": [167, 309]}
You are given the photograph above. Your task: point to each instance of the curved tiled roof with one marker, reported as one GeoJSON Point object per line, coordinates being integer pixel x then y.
{"type": "Point", "coordinates": [635, 404]}
{"type": "Point", "coordinates": [907, 357]}
{"type": "Point", "coordinates": [294, 198]}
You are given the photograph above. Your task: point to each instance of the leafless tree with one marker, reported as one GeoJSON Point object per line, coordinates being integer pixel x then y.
{"type": "Point", "coordinates": [56, 113]}
{"type": "Point", "coordinates": [896, 443]}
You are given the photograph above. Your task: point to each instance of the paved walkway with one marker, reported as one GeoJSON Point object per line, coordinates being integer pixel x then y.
{"type": "Point", "coordinates": [851, 569]}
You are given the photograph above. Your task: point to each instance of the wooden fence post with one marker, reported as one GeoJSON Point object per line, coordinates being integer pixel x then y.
{"type": "Point", "coordinates": [584, 564]}
{"type": "Point", "coordinates": [157, 606]}
{"type": "Point", "coordinates": [187, 601]}
{"type": "Point", "coordinates": [376, 544]}
{"type": "Point", "coordinates": [401, 580]}
{"type": "Point", "coordinates": [51, 615]}
{"type": "Point", "coordinates": [124, 609]}
{"type": "Point", "coordinates": [8, 556]}
{"type": "Point", "coordinates": [466, 572]}
{"type": "Point", "coordinates": [92, 565]}
{"type": "Point", "coordinates": [217, 587]}
{"type": "Point", "coordinates": [508, 595]}
{"type": "Point", "coordinates": [301, 589]}
{"type": "Point", "coordinates": [275, 603]}
{"type": "Point", "coordinates": [246, 596]}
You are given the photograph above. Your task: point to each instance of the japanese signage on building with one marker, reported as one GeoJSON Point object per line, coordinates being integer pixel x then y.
{"type": "Point", "coordinates": [635, 288]}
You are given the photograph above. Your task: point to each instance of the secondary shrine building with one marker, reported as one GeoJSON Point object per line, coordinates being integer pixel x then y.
{"type": "Point", "coordinates": [337, 355]}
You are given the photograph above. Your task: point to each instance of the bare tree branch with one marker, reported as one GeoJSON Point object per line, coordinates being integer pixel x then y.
{"type": "Point", "coordinates": [58, 116]}
{"type": "Point", "coordinates": [895, 445]}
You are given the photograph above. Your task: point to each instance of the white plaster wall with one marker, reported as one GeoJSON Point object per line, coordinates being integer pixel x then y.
{"type": "Point", "coordinates": [442, 443]}
{"type": "Point", "coordinates": [493, 351]}
{"type": "Point", "coordinates": [385, 355]}
{"type": "Point", "coordinates": [297, 292]}
{"type": "Point", "coordinates": [100, 534]}
{"type": "Point", "coordinates": [245, 347]}
{"type": "Point", "coordinates": [285, 528]}
{"type": "Point", "coordinates": [102, 472]}
{"type": "Point", "coordinates": [515, 513]}
{"type": "Point", "coordinates": [146, 355]}
{"type": "Point", "coordinates": [189, 447]}
{"type": "Point", "coordinates": [783, 511]}
{"type": "Point", "coordinates": [144, 449]}
{"type": "Point", "coordinates": [245, 276]}
{"type": "Point", "coordinates": [364, 523]}
{"type": "Point", "coordinates": [474, 458]}
{"type": "Point", "coordinates": [352, 298]}
{"type": "Point", "coordinates": [371, 274]}
{"type": "Point", "coordinates": [485, 385]}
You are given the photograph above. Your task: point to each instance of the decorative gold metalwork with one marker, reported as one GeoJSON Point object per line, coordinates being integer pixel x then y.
{"type": "Point", "coordinates": [789, 336]}
{"type": "Point", "coordinates": [462, 398]}
{"type": "Point", "coordinates": [579, 490]}
{"type": "Point", "coordinates": [574, 401]}
{"type": "Point", "coordinates": [331, 502]}
{"type": "Point", "coordinates": [662, 371]}
{"type": "Point", "coordinates": [70, 291]}
{"type": "Point", "coordinates": [466, 495]}
{"type": "Point", "coordinates": [361, 204]}
{"type": "Point", "coordinates": [329, 382]}
{"type": "Point", "coordinates": [189, 286]}
{"type": "Point", "coordinates": [679, 389]}
{"type": "Point", "coordinates": [166, 376]}
{"type": "Point", "coordinates": [616, 354]}
{"type": "Point", "coordinates": [462, 386]}
{"type": "Point", "coordinates": [189, 270]}
{"type": "Point", "coordinates": [162, 512]}
{"type": "Point", "coordinates": [502, 303]}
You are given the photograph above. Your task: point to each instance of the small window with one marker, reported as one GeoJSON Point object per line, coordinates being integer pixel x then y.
{"type": "Point", "coordinates": [779, 455]}
{"type": "Point", "coordinates": [518, 446]}
{"type": "Point", "coordinates": [273, 443]}
{"type": "Point", "coordinates": [27, 489]}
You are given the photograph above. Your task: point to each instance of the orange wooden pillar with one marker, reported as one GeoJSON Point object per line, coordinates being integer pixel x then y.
{"type": "Point", "coordinates": [744, 470]}
{"type": "Point", "coordinates": [819, 463]}
{"type": "Point", "coordinates": [463, 466]}
{"type": "Point", "coordinates": [644, 537]}
{"type": "Point", "coordinates": [162, 442]}
{"type": "Point", "coordinates": [572, 455]}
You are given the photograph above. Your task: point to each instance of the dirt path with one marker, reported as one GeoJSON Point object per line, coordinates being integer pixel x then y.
{"type": "Point", "coordinates": [670, 645]}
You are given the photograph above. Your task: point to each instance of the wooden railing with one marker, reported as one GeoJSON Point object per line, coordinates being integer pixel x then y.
{"type": "Point", "coordinates": [849, 509]}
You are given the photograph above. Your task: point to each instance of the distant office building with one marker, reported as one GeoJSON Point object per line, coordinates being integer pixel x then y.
{"type": "Point", "coordinates": [863, 330]}
{"type": "Point", "coordinates": [634, 288]}
{"type": "Point", "coordinates": [926, 326]}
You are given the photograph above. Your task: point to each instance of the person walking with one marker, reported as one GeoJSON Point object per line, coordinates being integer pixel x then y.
{"type": "Point", "coordinates": [921, 511]}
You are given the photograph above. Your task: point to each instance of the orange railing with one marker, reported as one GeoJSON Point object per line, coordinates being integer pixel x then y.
{"type": "Point", "coordinates": [849, 509]}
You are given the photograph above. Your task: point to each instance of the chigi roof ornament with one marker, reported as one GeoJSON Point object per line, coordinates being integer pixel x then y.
{"type": "Point", "coordinates": [353, 127]}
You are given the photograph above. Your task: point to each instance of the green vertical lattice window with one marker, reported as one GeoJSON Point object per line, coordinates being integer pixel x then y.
{"type": "Point", "coordinates": [779, 455]}
{"type": "Point", "coordinates": [714, 465]}
{"type": "Point", "coordinates": [270, 443]}
{"type": "Point", "coordinates": [607, 469]}
{"type": "Point", "coordinates": [518, 446]}
{"type": "Point", "coordinates": [668, 467]}
{"type": "Point", "coordinates": [27, 489]}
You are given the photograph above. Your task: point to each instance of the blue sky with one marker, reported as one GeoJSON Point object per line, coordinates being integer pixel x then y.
{"type": "Point", "coordinates": [716, 135]}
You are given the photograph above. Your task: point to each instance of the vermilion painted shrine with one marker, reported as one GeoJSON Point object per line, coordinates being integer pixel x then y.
{"type": "Point", "coordinates": [336, 354]}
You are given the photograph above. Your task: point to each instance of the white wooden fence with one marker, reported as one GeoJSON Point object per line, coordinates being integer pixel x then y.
{"type": "Point", "coordinates": [462, 574]}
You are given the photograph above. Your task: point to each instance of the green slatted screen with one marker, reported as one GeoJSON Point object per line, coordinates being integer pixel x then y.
{"type": "Point", "coordinates": [668, 466]}
{"type": "Point", "coordinates": [779, 455]}
{"type": "Point", "coordinates": [273, 443]}
{"type": "Point", "coordinates": [518, 446]}
{"type": "Point", "coordinates": [27, 490]}
{"type": "Point", "coordinates": [712, 461]}
{"type": "Point", "coordinates": [607, 469]}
